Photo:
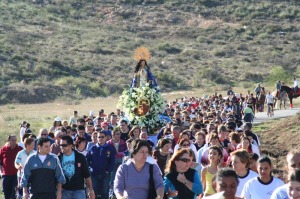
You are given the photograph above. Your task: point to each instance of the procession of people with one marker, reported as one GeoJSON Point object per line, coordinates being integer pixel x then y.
{"type": "Point", "coordinates": [189, 148]}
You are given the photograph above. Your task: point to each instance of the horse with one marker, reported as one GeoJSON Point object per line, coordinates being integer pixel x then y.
{"type": "Point", "coordinates": [283, 97]}
{"type": "Point", "coordinates": [290, 93]}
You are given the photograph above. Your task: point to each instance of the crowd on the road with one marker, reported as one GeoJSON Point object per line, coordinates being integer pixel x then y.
{"type": "Point", "coordinates": [207, 150]}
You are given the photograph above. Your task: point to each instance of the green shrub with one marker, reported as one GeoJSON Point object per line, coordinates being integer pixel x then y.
{"type": "Point", "coordinates": [279, 73]}
{"type": "Point", "coordinates": [11, 106]}
{"type": "Point", "coordinates": [247, 85]}
{"type": "Point", "coordinates": [219, 52]}
{"type": "Point", "coordinates": [168, 48]}
{"type": "Point", "coordinates": [212, 74]}
{"type": "Point", "coordinates": [263, 36]}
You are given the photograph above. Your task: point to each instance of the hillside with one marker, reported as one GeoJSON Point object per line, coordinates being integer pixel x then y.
{"type": "Point", "coordinates": [70, 49]}
{"type": "Point", "coordinates": [278, 137]}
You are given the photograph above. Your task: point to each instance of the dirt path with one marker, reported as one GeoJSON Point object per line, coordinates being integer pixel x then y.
{"type": "Point", "coordinates": [262, 116]}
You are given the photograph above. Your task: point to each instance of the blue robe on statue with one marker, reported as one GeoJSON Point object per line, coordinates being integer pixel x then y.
{"type": "Point", "coordinates": [150, 79]}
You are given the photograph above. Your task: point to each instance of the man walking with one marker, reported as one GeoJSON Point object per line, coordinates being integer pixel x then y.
{"type": "Point", "coordinates": [8, 155]}
{"type": "Point", "coordinates": [101, 159]}
{"type": "Point", "coordinates": [43, 174]}
{"type": "Point", "coordinates": [76, 171]}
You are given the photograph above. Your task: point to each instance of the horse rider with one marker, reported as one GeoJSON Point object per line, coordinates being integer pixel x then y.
{"type": "Point", "coordinates": [257, 90]}
{"type": "Point", "coordinates": [295, 86]}
{"type": "Point", "coordinates": [278, 88]}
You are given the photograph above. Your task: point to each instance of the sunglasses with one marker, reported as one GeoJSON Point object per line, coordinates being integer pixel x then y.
{"type": "Point", "coordinates": [101, 136]}
{"type": "Point", "coordinates": [185, 159]}
{"type": "Point", "coordinates": [185, 145]}
{"type": "Point", "coordinates": [63, 145]}
{"type": "Point", "coordinates": [44, 134]}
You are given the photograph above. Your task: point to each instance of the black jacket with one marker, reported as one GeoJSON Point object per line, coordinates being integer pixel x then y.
{"type": "Point", "coordinates": [81, 172]}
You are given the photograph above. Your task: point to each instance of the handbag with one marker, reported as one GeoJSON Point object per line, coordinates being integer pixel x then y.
{"type": "Point", "coordinates": [152, 191]}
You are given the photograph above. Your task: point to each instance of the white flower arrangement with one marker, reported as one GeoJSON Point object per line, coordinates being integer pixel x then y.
{"type": "Point", "coordinates": [130, 98]}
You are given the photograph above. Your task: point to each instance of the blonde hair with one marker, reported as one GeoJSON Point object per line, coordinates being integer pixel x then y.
{"type": "Point", "coordinates": [243, 155]}
{"type": "Point", "coordinates": [171, 167]}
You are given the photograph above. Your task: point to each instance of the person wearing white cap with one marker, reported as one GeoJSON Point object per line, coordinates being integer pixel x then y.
{"type": "Point", "coordinates": [57, 124]}
{"type": "Point", "coordinates": [92, 113]}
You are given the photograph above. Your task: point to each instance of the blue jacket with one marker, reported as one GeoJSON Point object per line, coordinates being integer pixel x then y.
{"type": "Point", "coordinates": [101, 159]}
{"type": "Point", "coordinates": [36, 174]}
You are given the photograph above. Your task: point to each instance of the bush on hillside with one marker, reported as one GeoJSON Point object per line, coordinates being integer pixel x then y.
{"type": "Point", "coordinates": [168, 48]}
{"type": "Point", "coordinates": [279, 73]}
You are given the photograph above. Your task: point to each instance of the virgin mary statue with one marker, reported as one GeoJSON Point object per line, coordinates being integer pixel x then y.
{"type": "Point", "coordinates": [142, 73]}
{"type": "Point", "coordinates": [142, 103]}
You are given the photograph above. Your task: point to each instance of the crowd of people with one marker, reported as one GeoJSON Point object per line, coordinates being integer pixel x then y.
{"type": "Point", "coordinates": [207, 150]}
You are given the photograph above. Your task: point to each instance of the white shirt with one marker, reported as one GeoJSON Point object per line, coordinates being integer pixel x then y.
{"type": "Point", "coordinates": [269, 98]}
{"type": "Point", "coordinates": [295, 83]}
{"type": "Point", "coordinates": [117, 144]}
{"type": "Point", "coordinates": [22, 132]}
{"type": "Point", "coordinates": [255, 189]}
{"type": "Point", "coordinates": [21, 158]}
{"type": "Point", "coordinates": [281, 192]}
{"type": "Point", "coordinates": [42, 157]}
{"type": "Point", "coordinates": [243, 180]}
{"type": "Point", "coordinates": [254, 147]}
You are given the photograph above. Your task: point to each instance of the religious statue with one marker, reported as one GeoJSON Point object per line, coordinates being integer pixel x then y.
{"type": "Point", "coordinates": [142, 103]}
{"type": "Point", "coordinates": [142, 72]}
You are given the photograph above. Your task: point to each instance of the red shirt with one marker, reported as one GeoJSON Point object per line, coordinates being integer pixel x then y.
{"type": "Point", "coordinates": [194, 104]}
{"type": "Point", "coordinates": [7, 159]}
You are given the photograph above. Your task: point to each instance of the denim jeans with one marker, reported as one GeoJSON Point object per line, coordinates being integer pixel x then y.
{"type": "Point", "coordinates": [101, 185]}
{"type": "Point", "coordinates": [43, 195]}
{"type": "Point", "coordinates": [78, 194]}
{"type": "Point", "coordinates": [248, 117]}
{"type": "Point", "coordinates": [9, 183]}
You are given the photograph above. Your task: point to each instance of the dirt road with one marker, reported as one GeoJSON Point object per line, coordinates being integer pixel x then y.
{"type": "Point", "coordinates": [262, 117]}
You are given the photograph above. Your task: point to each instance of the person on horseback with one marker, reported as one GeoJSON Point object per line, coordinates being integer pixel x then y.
{"type": "Point", "coordinates": [295, 86]}
{"type": "Point", "coordinates": [278, 88]}
{"type": "Point", "coordinates": [257, 90]}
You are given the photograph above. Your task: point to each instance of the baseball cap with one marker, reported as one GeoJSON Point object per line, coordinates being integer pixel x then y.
{"type": "Point", "coordinates": [57, 119]}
